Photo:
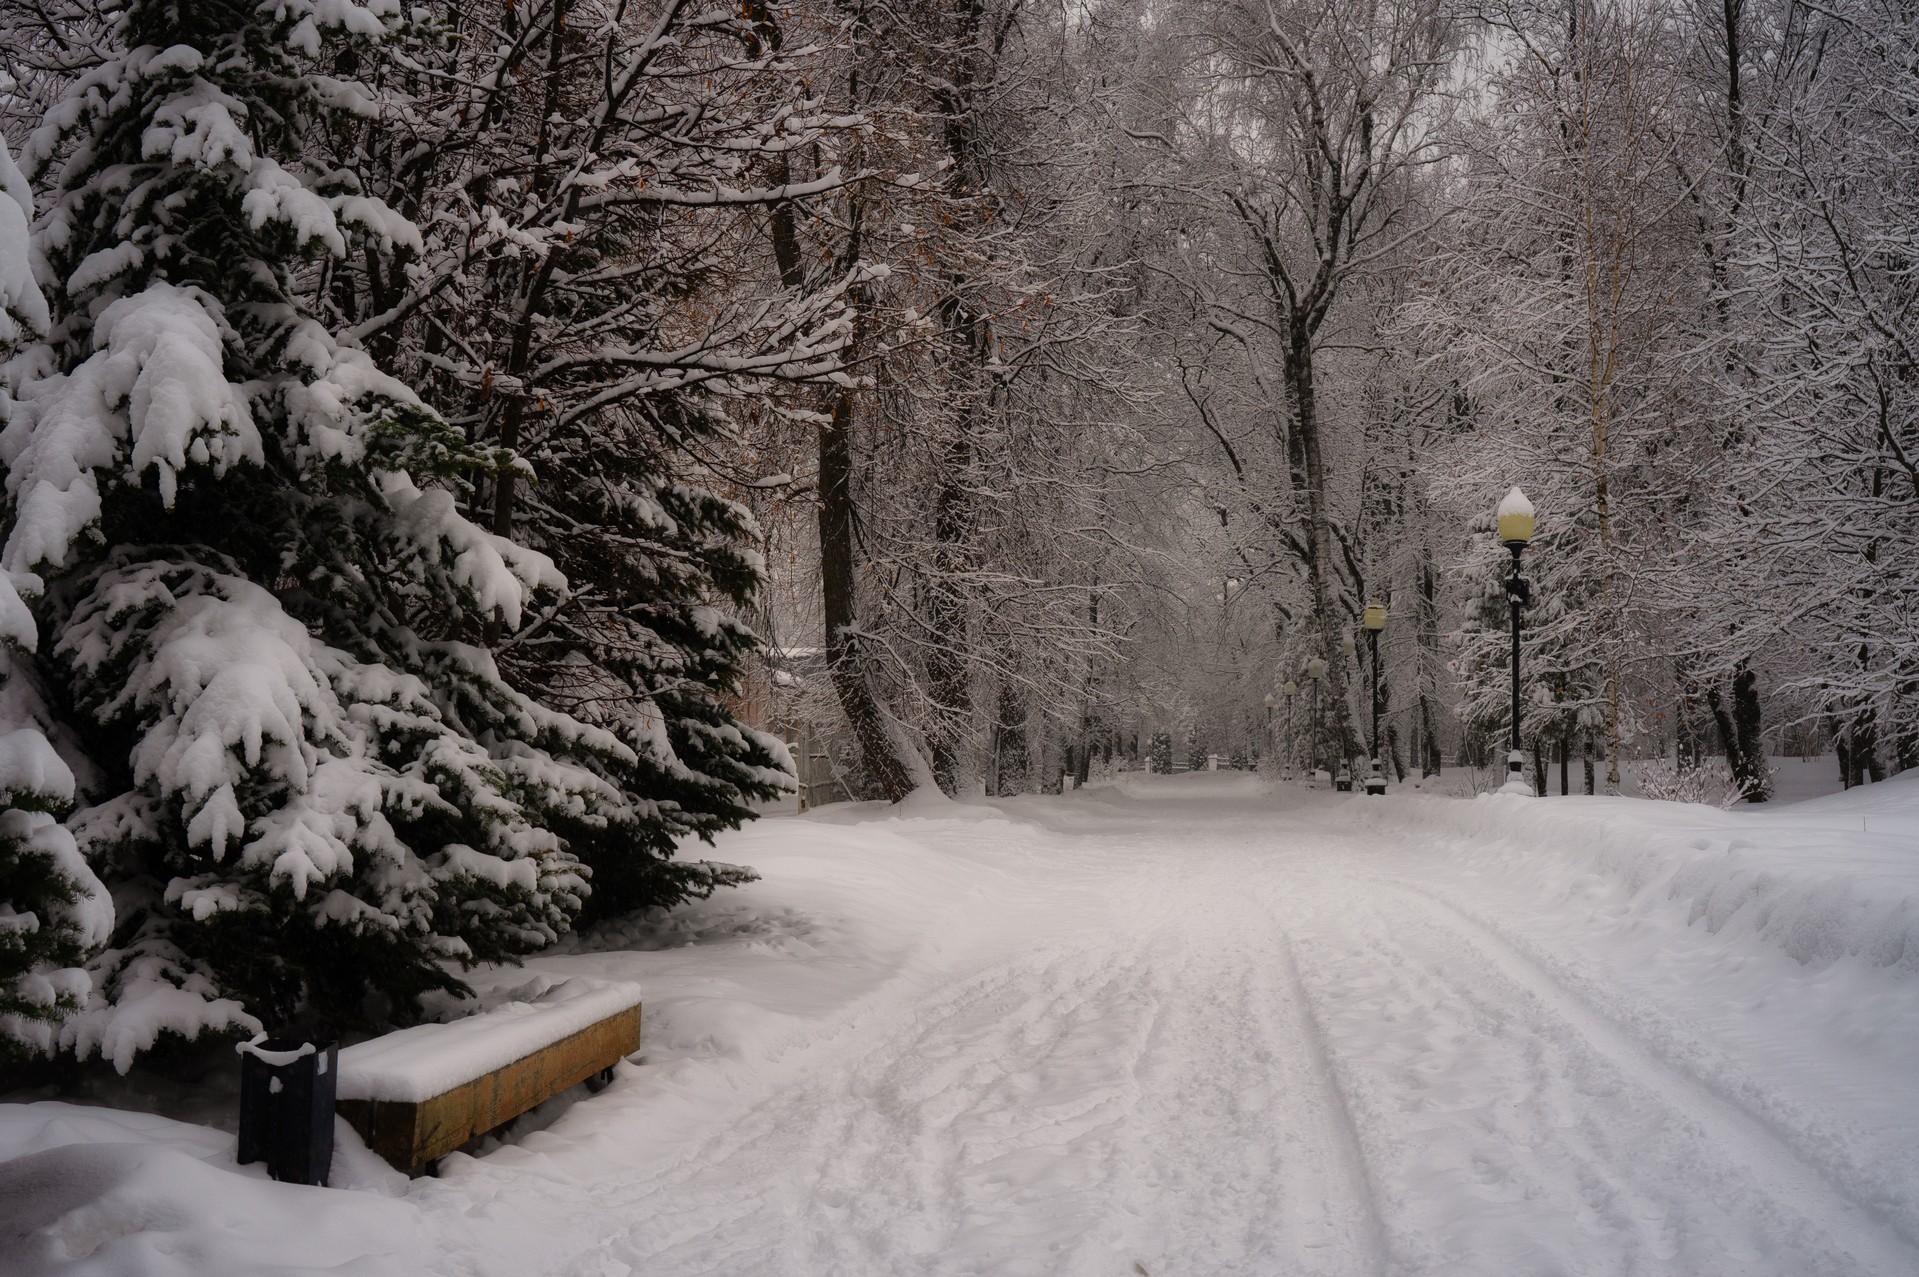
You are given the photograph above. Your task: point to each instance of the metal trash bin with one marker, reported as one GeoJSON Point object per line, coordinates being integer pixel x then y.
{"type": "Point", "coordinates": [286, 1107]}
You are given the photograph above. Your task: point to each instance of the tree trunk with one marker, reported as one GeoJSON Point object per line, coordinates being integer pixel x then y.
{"type": "Point", "coordinates": [1757, 780]}
{"type": "Point", "coordinates": [1319, 565]}
{"type": "Point", "coordinates": [1739, 734]}
{"type": "Point", "coordinates": [1602, 505]}
{"type": "Point", "coordinates": [844, 649]}
{"type": "Point", "coordinates": [948, 671]}
{"type": "Point", "coordinates": [533, 301]}
{"type": "Point", "coordinates": [1728, 734]}
{"type": "Point", "coordinates": [890, 759]}
{"type": "Point", "coordinates": [1010, 764]}
{"type": "Point", "coordinates": [953, 73]}
{"type": "Point", "coordinates": [873, 729]}
{"type": "Point", "coordinates": [1864, 740]}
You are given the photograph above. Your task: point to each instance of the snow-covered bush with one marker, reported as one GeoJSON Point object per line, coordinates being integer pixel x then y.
{"type": "Point", "coordinates": [307, 785]}
{"type": "Point", "coordinates": [1710, 782]}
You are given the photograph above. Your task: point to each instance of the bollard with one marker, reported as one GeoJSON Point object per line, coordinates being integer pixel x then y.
{"type": "Point", "coordinates": [286, 1107]}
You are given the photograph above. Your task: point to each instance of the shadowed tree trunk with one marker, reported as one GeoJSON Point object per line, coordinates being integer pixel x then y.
{"type": "Point", "coordinates": [1739, 734]}
{"type": "Point", "coordinates": [876, 734]}
{"type": "Point", "coordinates": [1010, 760]}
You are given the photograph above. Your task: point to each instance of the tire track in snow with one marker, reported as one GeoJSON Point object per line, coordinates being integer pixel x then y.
{"type": "Point", "coordinates": [1005, 1120]}
{"type": "Point", "coordinates": [1370, 1243]}
{"type": "Point", "coordinates": [1777, 1166]}
{"type": "Point", "coordinates": [1818, 1136]}
{"type": "Point", "coordinates": [1242, 1160]}
{"type": "Point", "coordinates": [1146, 1092]}
{"type": "Point", "coordinates": [1218, 1050]}
{"type": "Point", "coordinates": [1509, 1129]}
{"type": "Point", "coordinates": [908, 1157]}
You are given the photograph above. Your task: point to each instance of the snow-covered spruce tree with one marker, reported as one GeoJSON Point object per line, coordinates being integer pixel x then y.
{"type": "Point", "coordinates": [593, 290]}
{"type": "Point", "coordinates": [312, 789]}
{"type": "Point", "coordinates": [53, 911]}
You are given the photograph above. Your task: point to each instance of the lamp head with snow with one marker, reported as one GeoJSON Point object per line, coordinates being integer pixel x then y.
{"type": "Point", "coordinates": [1375, 616]}
{"type": "Point", "coordinates": [1269, 700]}
{"type": "Point", "coordinates": [1515, 520]}
{"type": "Point", "coordinates": [1347, 645]}
{"type": "Point", "coordinates": [1315, 668]}
{"type": "Point", "coordinates": [1291, 688]}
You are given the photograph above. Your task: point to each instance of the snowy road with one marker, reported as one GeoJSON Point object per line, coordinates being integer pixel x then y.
{"type": "Point", "coordinates": [1209, 1035]}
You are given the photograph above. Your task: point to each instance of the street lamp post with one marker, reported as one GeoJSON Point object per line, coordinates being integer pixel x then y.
{"type": "Point", "coordinates": [1316, 670]}
{"type": "Point", "coordinates": [1375, 621]}
{"type": "Point", "coordinates": [1515, 515]}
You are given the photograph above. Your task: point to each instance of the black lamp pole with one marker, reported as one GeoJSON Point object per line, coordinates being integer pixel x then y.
{"type": "Point", "coordinates": [1374, 620]}
{"type": "Point", "coordinates": [1372, 639]}
{"type": "Point", "coordinates": [1519, 594]}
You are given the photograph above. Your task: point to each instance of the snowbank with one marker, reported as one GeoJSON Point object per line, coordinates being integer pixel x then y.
{"type": "Point", "coordinates": [741, 990]}
{"type": "Point", "coordinates": [1828, 880]}
{"type": "Point", "coordinates": [106, 1193]}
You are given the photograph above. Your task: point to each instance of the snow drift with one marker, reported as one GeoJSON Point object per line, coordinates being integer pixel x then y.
{"type": "Point", "coordinates": [1827, 881]}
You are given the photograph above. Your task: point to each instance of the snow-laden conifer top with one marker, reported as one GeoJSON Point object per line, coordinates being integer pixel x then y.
{"type": "Point", "coordinates": [23, 310]}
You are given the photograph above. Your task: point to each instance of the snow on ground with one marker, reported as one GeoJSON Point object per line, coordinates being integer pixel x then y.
{"type": "Point", "coordinates": [1180, 1025]}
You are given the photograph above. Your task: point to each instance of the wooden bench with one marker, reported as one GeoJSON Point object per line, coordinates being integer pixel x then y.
{"type": "Point", "coordinates": [417, 1094]}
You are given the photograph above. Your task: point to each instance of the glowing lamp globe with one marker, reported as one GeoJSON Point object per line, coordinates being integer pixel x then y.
{"type": "Point", "coordinates": [1515, 520]}
{"type": "Point", "coordinates": [1375, 617]}
{"type": "Point", "coordinates": [1315, 668]}
{"type": "Point", "coordinates": [1291, 688]}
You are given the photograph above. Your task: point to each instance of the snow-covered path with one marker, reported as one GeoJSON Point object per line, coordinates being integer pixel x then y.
{"type": "Point", "coordinates": [1210, 1035]}
{"type": "Point", "coordinates": [1128, 1081]}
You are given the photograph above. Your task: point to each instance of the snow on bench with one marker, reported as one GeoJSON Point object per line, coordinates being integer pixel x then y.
{"type": "Point", "coordinates": [417, 1094]}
